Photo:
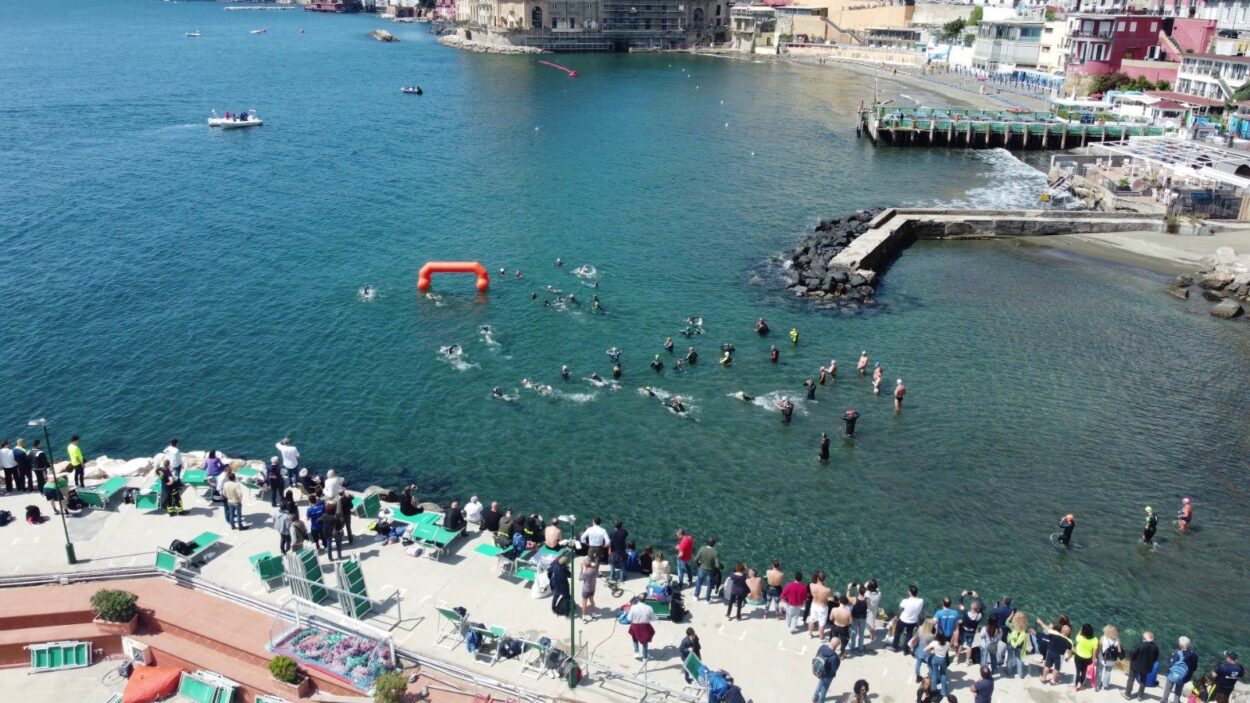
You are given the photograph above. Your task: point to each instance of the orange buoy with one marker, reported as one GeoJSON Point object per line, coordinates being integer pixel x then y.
{"type": "Point", "coordinates": [433, 267]}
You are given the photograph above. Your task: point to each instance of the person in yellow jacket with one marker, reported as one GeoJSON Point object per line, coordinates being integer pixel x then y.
{"type": "Point", "coordinates": [75, 461]}
{"type": "Point", "coordinates": [794, 335]}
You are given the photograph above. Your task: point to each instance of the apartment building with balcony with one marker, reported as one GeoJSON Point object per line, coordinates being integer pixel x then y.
{"type": "Point", "coordinates": [1099, 43]}
{"type": "Point", "coordinates": [1212, 76]}
{"type": "Point", "coordinates": [1007, 45]}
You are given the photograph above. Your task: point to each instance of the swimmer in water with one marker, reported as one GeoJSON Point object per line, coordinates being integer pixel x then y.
{"type": "Point", "coordinates": [773, 354]}
{"type": "Point", "coordinates": [596, 377]}
{"type": "Point", "coordinates": [533, 295]}
{"type": "Point", "coordinates": [502, 272]}
{"type": "Point", "coordinates": [668, 344]}
{"type": "Point", "coordinates": [1152, 524]}
{"type": "Point", "coordinates": [811, 389]}
{"type": "Point", "coordinates": [616, 371]}
{"type": "Point", "coordinates": [787, 410]}
{"type": "Point", "coordinates": [615, 355]}
{"type": "Point", "coordinates": [727, 359]}
{"type": "Point", "coordinates": [824, 446]}
{"type": "Point", "coordinates": [794, 335]}
{"type": "Point", "coordinates": [595, 305]}
{"type": "Point", "coordinates": [518, 273]}
{"type": "Point", "coordinates": [824, 374]}
{"type": "Point", "coordinates": [741, 395]}
{"type": "Point", "coordinates": [677, 405]}
{"type": "Point", "coordinates": [877, 373]}
{"type": "Point", "coordinates": [497, 393]}
{"type": "Point", "coordinates": [657, 364]}
{"type": "Point", "coordinates": [453, 350]}
{"type": "Point", "coordinates": [573, 299]}
{"type": "Point", "coordinates": [367, 292]}
{"type": "Point", "coordinates": [678, 367]}
{"type": "Point", "coordinates": [688, 331]}
{"type": "Point", "coordinates": [564, 372]}
{"type": "Point", "coordinates": [546, 303]}
{"type": "Point", "coordinates": [1067, 524]}
{"type": "Point", "coordinates": [849, 418]}
{"type": "Point", "coordinates": [899, 391]}
{"type": "Point", "coordinates": [863, 363]}
{"type": "Point", "coordinates": [649, 391]}
{"type": "Point", "coordinates": [833, 370]}
{"type": "Point", "coordinates": [692, 356]}
{"type": "Point", "coordinates": [1185, 516]}
{"type": "Point", "coordinates": [559, 261]}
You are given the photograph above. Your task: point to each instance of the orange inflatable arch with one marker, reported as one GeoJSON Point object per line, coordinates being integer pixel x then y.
{"type": "Point", "coordinates": [433, 267]}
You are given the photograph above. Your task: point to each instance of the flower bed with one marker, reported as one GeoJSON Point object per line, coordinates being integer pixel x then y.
{"type": "Point", "coordinates": [354, 660]}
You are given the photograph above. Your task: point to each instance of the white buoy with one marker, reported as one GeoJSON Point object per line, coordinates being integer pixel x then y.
{"type": "Point", "coordinates": [726, 124]}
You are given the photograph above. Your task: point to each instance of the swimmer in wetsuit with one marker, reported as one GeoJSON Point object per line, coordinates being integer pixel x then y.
{"type": "Point", "coordinates": [595, 305]}
{"type": "Point", "coordinates": [564, 372]}
{"type": "Point", "coordinates": [596, 377]}
{"type": "Point", "coordinates": [1152, 524]}
{"type": "Point", "coordinates": [794, 335]}
{"type": "Point", "coordinates": [678, 367]}
{"type": "Point", "coordinates": [614, 354]}
{"type": "Point", "coordinates": [1067, 524]}
{"type": "Point", "coordinates": [616, 371]}
{"type": "Point", "coordinates": [533, 295]}
{"type": "Point", "coordinates": [727, 359]}
{"type": "Point", "coordinates": [787, 410]}
{"type": "Point", "coordinates": [692, 356]}
{"type": "Point", "coordinates": [849, 419]}
{"type": "Point", "coordinates": [811, 389]}
{"type": "Point", "coordinates": [668, 344]}
{"type": "Point", "coordinates": [657, 364]}
{"type": "Point", "coordinates": [741, 395]}
{"type": "Point", "coordinates": [677, 405]}
{"type": "Point", "coordinates": [824, 446]}
{"type": "Point", "coordinates": [773, 354]}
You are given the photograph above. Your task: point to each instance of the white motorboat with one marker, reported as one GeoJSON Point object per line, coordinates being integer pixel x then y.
{"type": "Point", "coordinates": [260, 31]}
{"type": "Point", "coordinates": [194, 34]}
{"type": "Point", "coordinates": [412, 90]}
{"type": "Point", "coordinates": [235, 121]}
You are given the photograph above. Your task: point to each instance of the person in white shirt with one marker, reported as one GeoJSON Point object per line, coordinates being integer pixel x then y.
{"type": "Point", "coordinates": [174, 455]}
{"type": "Point", "coordinates": [221, 483]}
{"type": "Point", "coordinates": [333, 486]}
{"type": "Point", "coordinates": [8, 463]}
{"type": "Point", "coordinates": [909, 611]}
{"type": "Point", "coordinates": [640, 616]}
{"type": "Point", "coordinates": [596, 538]}
{"type": "Point", "coordinates": [290, 459]}
{"type": "Point", "coordinates": [473, 512]}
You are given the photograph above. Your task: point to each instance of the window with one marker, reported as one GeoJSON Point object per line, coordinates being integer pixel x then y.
{"type": "Point", "coordinates": [555, 22]}
{"type": "Point", "coordinates": [718, 10]}
{"type": "Point", "coordinates": [1132, 26]}
{"type": "Point", "coordinates": [1119, 27]}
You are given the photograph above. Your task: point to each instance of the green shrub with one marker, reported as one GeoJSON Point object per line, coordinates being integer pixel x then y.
{"type": "Point", "coordinates": [284, 669]}
{"type": "Point", "coordinates": [114, 606]}
{"type": "Point", "coordinates": [390, 687]}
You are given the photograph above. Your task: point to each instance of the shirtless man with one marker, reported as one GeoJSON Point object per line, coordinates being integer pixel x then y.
{"type": "Point", "coordinates": [840, 618]}
{"type": "Point", "coordinates": [1185, 516]}
{"type": "Point", "coordinates": [833, 369]}
{"type": "Point", "coordinates": [775, 579]}
{"type": "Point", "coordinates": [818, 617]}
{"type": "Point", "coordinates": [877, 373]}
{"type": "Point", "coordinates": [899, 391]}
{"type": "Point", "coordinates": [863, 363]}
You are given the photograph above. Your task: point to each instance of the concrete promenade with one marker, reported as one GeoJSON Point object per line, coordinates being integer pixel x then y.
{"type": "Point", "coordinates": [769, 663]}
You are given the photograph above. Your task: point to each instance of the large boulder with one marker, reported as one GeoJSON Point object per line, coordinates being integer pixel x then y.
{"type": "Point", "coordinates": [1214, 296]}
{"type": "Point", "coordinates": [1183, 281]}
{"type": "Point", "coordinates": [856, 280]}
{"type": "Point", "coordinates": [1217, 280]}
{"type": "Point", "coordinates": [1227, 309]}
{"type": "Point", "coordinates": [841, 276]}
{"type": "Point", "coordinates": [1178, 292]}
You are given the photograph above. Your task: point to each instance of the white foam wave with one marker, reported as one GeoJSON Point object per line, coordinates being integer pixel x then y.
{"type": "Point", "coordinates": [1012, 184]}
{"type": "Point", "coordinates": [454, 355]}
{"type": "Point", "coordinates": [769, 401]}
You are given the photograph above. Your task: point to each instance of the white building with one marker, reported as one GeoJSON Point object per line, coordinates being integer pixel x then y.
{"type": "Point", "coordinates": [1007, 45]}
{"type": "Point", "coordinates": [1052, 54]}
{"type": "Point", "coordinates": [1212, 76]}
{"type": "Point", "coordinates": [1231, 14]}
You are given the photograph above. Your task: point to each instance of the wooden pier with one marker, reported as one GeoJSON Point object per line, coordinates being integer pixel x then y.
{"type": "Point", "coordinates": [986, 129]}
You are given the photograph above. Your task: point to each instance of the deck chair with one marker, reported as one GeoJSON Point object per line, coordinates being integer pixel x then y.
{"type": "Point", "coordinates": [196, 688]}
{"type": "Point", "coordinates": [451, 630]}
{"type": "Point", "coordinates": [490, 638]}
{"type": "Point", "coordinates": [534, 660]}
{"type": "Point", "coordinates": [101, 496]}
{"type": "Point", "coordinates": [268, 699]}
{"type": "Point", "coordinates": [269, 568]}
{"type": "Point", "coordinates": [148, 499]}
{"type": "Point", "coordinates": [205, 543]}
{"type": "Point", "coordinates": [115, 698]}
{"type": "Point", "coordinates": [489, 550]}
{"type": "Point", "coordinates": [694, 669]}
{"type": "Point", "coordinates": [367, 506]}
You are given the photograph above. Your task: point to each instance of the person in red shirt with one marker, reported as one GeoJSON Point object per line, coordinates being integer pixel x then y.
{"type": "Point", "coordinates": [794, 595]}
{"type": "Point", "coordinates": [685, 553]}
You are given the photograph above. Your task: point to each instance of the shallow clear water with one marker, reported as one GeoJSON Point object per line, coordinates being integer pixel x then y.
{"type": "Point", "coordinates": [163, 279]}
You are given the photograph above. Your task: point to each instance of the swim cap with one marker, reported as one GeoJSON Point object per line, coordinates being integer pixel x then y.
{"type": "Point", "coordinates": [1069, 516]}
{"type": "Point", "coordinates": [1185, 501]}
{"type": "Point", "coordinates": [1148, 509]}
{"type": "Point", "coordinates": [274, 460]}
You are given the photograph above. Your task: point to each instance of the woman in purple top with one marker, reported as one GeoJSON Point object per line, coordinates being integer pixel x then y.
{"type": "Point", "coordinates": [212, 469]}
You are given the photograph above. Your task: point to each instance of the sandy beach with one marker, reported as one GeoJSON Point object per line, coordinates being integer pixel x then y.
{"type": "Point", "coordinates": [1153, 251]}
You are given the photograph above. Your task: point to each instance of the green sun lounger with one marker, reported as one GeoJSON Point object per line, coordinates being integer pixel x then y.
{"type": "Point", "coordinates": [101, 496]}
{"type": "Point", "coordinates": [435, 537]}
{"type": "Point", "coordinates": [205, 542]}
{"type": "Point", "coordinates": [418, 519]}
{"type": "Point", "coordinates": [205, 687]}
{"type": "Point", "coordinates": [368, 506]}
{"type": "Point", "coordinates": [269, 568]}
{"type": "Point", "coordinates": [148, 499]}
{"type": "Point", "coordinates": [451, 629]}
{"type": "Point", "coordinates": [489, 550]}
{"type": "Point", "coordinates": [694, 668]}
{"type": "Point", "coordinates": [491, 637]}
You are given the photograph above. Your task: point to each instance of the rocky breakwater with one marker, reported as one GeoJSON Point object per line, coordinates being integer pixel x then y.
{"type": "Point", "coordinates": [809, 272]}
{"type": "Point", "coordinates": [1223, 280]}
{"type": "Point", "coordinates": [464, 40]}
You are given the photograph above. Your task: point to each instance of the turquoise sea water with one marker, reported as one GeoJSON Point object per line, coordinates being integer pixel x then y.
{"type": "Point", "coordinates": [163, 279]}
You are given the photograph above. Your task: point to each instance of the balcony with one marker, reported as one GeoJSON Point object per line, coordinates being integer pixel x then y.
{"type": "Point", "coordinates": [1103, 35]}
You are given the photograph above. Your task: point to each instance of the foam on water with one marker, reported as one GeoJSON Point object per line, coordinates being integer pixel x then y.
{"type": "Point", "coordinates": [769, 401]}
{"type": "Point", "coordinates": [454, 355]}
{"type": "Point", "coordinates": [1009, 184]}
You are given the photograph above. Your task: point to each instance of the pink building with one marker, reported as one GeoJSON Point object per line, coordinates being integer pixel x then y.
{"type": "Point", "coordinates": [1097, 44]}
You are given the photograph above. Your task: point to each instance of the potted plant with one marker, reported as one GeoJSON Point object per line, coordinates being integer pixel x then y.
{"type": "Point", "coordinates": [291, 682]}
{"type": "Point", "coordinates": [115, 611]}
{"type": "Point", "coordinates": [391, 687]}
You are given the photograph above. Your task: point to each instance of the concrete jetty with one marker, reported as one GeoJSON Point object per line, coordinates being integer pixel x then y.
{"type": "Point", "coordinates": [986, 129]}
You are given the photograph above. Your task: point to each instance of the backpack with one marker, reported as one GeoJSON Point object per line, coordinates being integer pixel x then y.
{"type": "Point", "coordinates": [473, 641]}
{"type": "Point", "coordinates": [509, 648]}
{"type": "Point", "coordinates": [5, 517]}
{"type": "Point", "coordinates": [33, 515]}
{"type": "Point", "coordinates": [554, 659]}
{"type": "Point", "coordinates": [820, 664]}
{"type": "Point", "coordinates": [183, 548]}
{"type": "Point", "coordinates": [1178, 671]}
{"type": "Point", "coordinates": [717, 685]}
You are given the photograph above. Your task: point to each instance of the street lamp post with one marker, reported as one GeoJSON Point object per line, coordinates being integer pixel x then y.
{"type": "Point", "coordinates": [69, 546]}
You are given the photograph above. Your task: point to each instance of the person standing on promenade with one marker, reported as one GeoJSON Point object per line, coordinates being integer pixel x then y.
{"type": "Point", "coordinates": [818, 615]}
{"type": "Point", "coordinates": [1141, 660]}
{"type": "Point", "coordinates": [25, 478]}
{"type": "Point", "coordinates": [274, 480]}
{"type": "Point", "coordinates": [794, 595]}
{"type": "Point", "coordinates": [290, 459]}
{"type": "Point", "coordinates": [1110, 652]}
{"type": "Point", "coordinates": [174, 455]}
{"type": "Point", "coordinates": [332, 487]}
{"type": "Point", "coordinates": [934, 654]}
{"type": "Point", "coordinates": [899, 391]}
{"type": "Point", "coordinates": [859, 616]}
{"type": "Point", "coordinates": [738, 590]}
{"type": "Point", "coordinates": [690, 644]}
{"type": "Point", "coordinates": [968, 626]}
{"type": "Point", "coordinates": [1058, 647]}
{"type": "Point", "coordinates": [39, 460]}
{"type": "Point", "coordinates": [775, 579]}
{"type": "Point", "coordinates": [840, 621]}
{"type": "Point", "coordinates": [947, 619]}
{"type": "Point", "coordinates": [984, 688]}
{"type": "Point", "coordinates": [1017, 643]}
{"type": "Point", "coordinates": [8, 463]}
{"type": "Point", "coordinates": [1001, 614]}
{"type": "Point", "coordinates": [825, 666]}
{"type": "Point", "coordinates": [708, 562]}
{"type": "Point", "coordinates": [587, 576]}
{"type": "Point", "coordinates": [316, 510]}
{"type": "Point", "coordinates": [345, 515]}
{"type": "Point", "coordinates": [596, 539]}
{"type": "Point", "coordinates": [282, 523]}
{"type": "Point", "coordinates": [618, 543]}
{"type": "Point", "coordinates": [171, 497]}
{"type": "Point", "coordinates": [685, 554]}
{"type": "Point", "coordinates": [1084, 652]}
{"type": "Point", "coordinates": [874, 608]}
{"type": "Point", "coordinates": [1181, 668]}
{"type": "Point", "coordinates": [232, 491]}
{"type": "Point", "coordinates": [910, 610]}
{"type": "Point", "coordinates": [332, 530]}
{"type": "Point", "coordinates": [1225, 677]}
{"type": "Point", "coordinates": [299, 531]}
{"type": "Point", "coordinates": [641, 631]}
{"type": "Point", "coordinates": [76, 463]}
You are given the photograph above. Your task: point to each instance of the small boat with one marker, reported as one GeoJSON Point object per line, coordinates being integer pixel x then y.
{"type": "Point", "coordinates": [260, 31]}
{"type": "Point", "coordinates": [194, 34]}
{"type": "Point", "coordinates": [412, 90]}
{"type": "Point", "coordinates": [235, 121]}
